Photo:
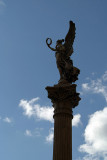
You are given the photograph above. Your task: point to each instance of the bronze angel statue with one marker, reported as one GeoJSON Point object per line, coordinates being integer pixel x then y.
{"type": "Point", "coordinates": [63, 51]}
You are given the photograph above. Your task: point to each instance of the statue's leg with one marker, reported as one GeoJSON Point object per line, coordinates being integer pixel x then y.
{"type": "Point", "coordinates": [61, 73]}
{"type": "Point", "coordinates": [60, 67]}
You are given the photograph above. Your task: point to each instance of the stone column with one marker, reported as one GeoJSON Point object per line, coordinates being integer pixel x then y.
{"type": "Point", "coordinates": [64, 98]}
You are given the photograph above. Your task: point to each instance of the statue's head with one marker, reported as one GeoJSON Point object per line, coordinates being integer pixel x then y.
{"type": "Point", "coordinates": [60, 41]}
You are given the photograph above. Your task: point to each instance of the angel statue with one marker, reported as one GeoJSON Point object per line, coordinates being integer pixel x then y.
{"type": "Point", "coordinates": [63, 51]}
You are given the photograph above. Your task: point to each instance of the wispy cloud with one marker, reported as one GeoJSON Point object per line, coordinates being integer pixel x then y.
{"type": "Point", "coordinates": [28, 133]}
{"type": "Point", "coordinates": [7, 120]}
{"type": "Point", "coordinates": [37, 132]}
{"type": "Point", "coordinates": [33, 133]}
{"type": "Point", "coordinates": [2, 3]}
{"type": "Point", "coordinates": [98, 86]}
{"type": "Point", "coordinates": [2, 6]}
{"type": "Point", "coordinates": [49, 138]}
{"type": "Point", "coordinates": [96, 136]}
{"type": "Point", "coordinates": [104, 77]}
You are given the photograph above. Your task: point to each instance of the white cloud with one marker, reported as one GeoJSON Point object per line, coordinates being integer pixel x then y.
{"type": "Point", "coordinates": [7, 120]}
{"type": "Point", "coordinates": [96, 136]}
{"type": "Point", "coordinates": [28, 133]}
{"type": "Point", "coordinates": [28, 106]}
{"type": "Point", "coordinates": [85, 86]}
{"type": "Point", "coordinates": [98, 86]}
{"type": "Point", "coordinates": [49, 138]}
{"type": "Point", "coordinates": [76, 120]}
{"type": "Point", "coordinates": [45, 113]}
{"type": "Point", "coordinates": [35, 110]}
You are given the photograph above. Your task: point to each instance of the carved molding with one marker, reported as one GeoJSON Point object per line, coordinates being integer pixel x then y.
{"type": "Point", "coordinates": [62, 95]}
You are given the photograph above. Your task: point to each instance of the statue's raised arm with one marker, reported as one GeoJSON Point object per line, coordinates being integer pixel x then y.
{"type": "Point", "coordinates": [63, 51]}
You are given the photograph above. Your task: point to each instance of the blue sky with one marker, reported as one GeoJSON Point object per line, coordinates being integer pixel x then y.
{"type": "Point", "coordinates": [27, 66]}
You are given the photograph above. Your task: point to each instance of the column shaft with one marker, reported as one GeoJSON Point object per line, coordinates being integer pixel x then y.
{"type": "Point", "coordinates": [64, 99]}
{"type": "Point", "coordinates": [62, 149]}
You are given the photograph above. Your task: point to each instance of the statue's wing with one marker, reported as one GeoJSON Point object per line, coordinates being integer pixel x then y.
{"type": "Point", "coordinates": [69, 39]}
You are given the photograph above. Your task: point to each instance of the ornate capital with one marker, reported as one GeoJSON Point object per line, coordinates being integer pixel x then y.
{"type": "Point", "coordinates": [67, 93]}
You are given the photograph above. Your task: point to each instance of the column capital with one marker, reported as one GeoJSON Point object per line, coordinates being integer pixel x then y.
{"type": "Point", "coordinates": [64, 98]}
{"type": "Point", "coordinates": [65, 93]}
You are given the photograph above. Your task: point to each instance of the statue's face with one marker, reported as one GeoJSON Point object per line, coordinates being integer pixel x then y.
{"type": "Point", "coordinates": [60, 41]}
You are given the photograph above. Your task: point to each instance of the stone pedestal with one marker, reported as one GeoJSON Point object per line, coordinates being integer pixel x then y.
{"type": "Point", "coordinates": [64, 98]}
